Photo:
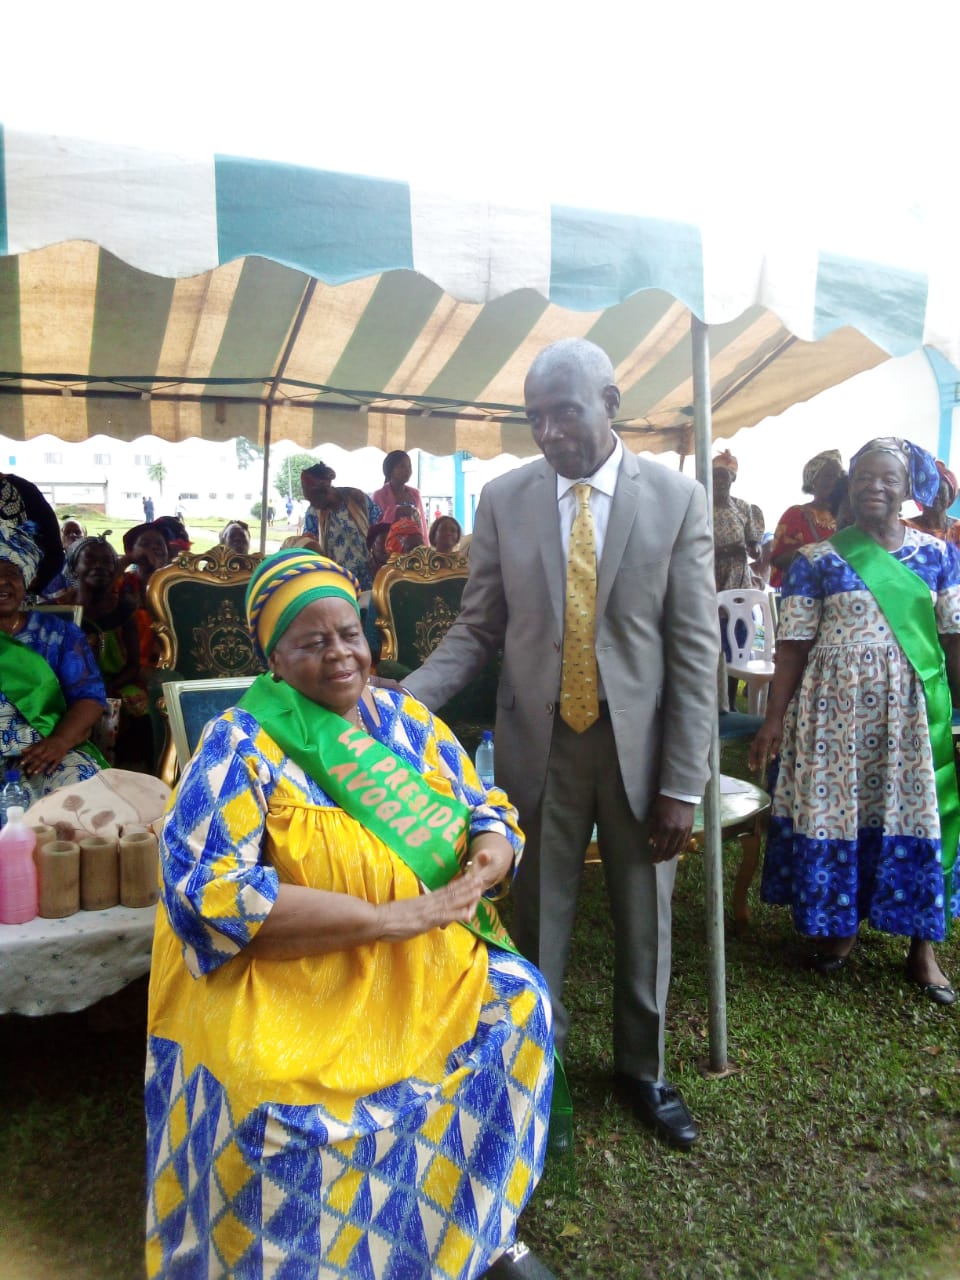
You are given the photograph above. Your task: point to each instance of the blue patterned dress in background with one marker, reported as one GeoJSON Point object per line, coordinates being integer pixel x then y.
{"type": "Point", "coordinates": [342, 532]}
{"type": "Point", "coordinates": [67, 652]}
{"type": "Point", "coordinates": [854, 830]}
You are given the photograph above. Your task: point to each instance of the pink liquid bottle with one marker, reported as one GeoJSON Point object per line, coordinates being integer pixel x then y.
{"type": "Point", "coordinates": [18, 874]}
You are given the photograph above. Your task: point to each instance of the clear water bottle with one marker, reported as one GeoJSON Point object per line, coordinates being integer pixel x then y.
{"type": "Point", "coordinates": [18, 873]}
{"type": "Point", "coordinates": [15, 794]}
{"type": "Point", "coordinates": [484, 759]}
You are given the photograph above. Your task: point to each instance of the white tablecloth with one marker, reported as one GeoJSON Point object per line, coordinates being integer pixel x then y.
{"type": "Point", "coordinates": [59, 966]}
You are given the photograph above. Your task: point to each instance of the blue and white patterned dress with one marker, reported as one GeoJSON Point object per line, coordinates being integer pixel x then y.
{"type": "Point", "coordinates": [379, 1112]}
{"type": "Point", "coordinates": [341, 537]}
{"type": "Point", "coordinates": [854, 829]}
{"type": "Point", "coordinates": [67, 652]}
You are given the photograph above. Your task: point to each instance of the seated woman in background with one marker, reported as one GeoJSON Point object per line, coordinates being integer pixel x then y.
{"type": "Point", "coordinates": [51, 693]}
{"type": "Point", "coordinates": [405, 535]}
{"type": "Point", "coordinates": [236, 536]}
{"type": "Point", "coordinates": [933, 516]}
{"type": "Point", "coordinates": [71, 531]}
{"type": "Point", "coordinates": [175, 534]}
{"type": "Point", "coordinates": [113, 631]}
{"type": "Point", "coordinates": [445, 533]}
{"type": "Point", "coordinates": [808, 522]}
{"type": "Point", "coordinates": [323, 1029]}
{"type": "Point", "coordinates": [145, 550]}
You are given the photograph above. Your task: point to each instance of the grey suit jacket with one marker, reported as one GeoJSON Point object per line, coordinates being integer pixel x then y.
{"type": "Point", "coordinates": [657, 636]}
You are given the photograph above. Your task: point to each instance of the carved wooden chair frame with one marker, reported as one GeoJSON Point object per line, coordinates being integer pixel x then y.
{"type": "Point", "coordinates": [423, 565]}
{"type": "Point", "coordinates": [220, 567]}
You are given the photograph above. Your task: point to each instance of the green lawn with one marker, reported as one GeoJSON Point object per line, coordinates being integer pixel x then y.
{"type": "Point", "coordinates": [203, 533]}
{"type": "Point", "coordinates": [832, 1152]}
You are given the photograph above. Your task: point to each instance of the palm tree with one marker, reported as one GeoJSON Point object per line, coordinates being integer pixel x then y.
{"type": "Point", "coordinates": [157, 473]}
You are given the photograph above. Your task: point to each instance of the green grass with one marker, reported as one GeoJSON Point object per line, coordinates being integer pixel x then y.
{"type": "Point", "coordinates": [203, 533]}
{"type": "Point", "coordinates": [833, 1152]}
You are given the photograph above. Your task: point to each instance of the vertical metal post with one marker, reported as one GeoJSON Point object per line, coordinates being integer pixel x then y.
{"type": "Point", "coordinates": [267, 426]}
{"type": "Point", "coordinates": [712, 834]}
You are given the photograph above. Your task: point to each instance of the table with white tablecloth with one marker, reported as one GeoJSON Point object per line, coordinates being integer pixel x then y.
{"type": "Point", "coordinates": [60, 966]}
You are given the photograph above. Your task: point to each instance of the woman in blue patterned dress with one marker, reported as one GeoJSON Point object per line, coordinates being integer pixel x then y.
{"type": "Point", "coordinates": [342, 1080]}
{"type": "Point", "coordinates": [51, 692]}
{"type": "Point", "coordinates": [863, 793]}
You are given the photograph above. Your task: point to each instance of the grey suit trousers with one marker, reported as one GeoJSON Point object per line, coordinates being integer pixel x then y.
{"type": "Point", "coordinates": [584, 786]}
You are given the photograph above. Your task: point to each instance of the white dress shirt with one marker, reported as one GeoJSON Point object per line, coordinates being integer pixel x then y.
{"type": "Point", "coordinates": [602, 484]}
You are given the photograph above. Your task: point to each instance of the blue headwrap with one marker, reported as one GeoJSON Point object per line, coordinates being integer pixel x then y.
{"type": "Point", "coordinates": [923, 478]}
{"type": "Point", "coordinates": [17, 546]}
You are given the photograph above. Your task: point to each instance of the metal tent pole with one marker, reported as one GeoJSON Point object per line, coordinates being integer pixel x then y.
{"type": "Point", "coordinates": [265, 486]}
{"type": "Point", "coordinates": [713, 839]}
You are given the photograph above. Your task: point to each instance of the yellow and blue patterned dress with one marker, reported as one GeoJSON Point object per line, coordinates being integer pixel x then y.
{"type": "Point", "coordinates": [378, 1112]}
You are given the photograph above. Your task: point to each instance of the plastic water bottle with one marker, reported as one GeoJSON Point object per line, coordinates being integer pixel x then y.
{"type": "Point", "coordinates": [15, 794]}
{"type": "Point", "coordinates": [484, 759]}
{"type": "Point", "coordinates": [18, 874]}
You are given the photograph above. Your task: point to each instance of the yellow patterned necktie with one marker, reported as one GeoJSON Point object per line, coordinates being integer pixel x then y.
{"type": "Point", "coordinates": [579, 701]}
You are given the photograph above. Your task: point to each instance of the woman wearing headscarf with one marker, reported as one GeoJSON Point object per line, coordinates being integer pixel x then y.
{"type": "Point", "coordinates": [933, 516]}
{"type": "Point", "coordinates": [71, 531]}
{"type": "Point", "coordinates": [397, 470]}
{"type": "Point", "coordinates": [22, 503]}
{"type": "Point", "coordinates": [807, 522]}
{"type": "Point", "coordinates": [342, 1078]}
{"type": "Point", "coordinates": [113, 630]}
{"type": "Point", "coordinates": [737, 528]}
{"type": "Point", "coordinates": [865, 815]}
{"type": "Point", "coordinates": [235, 536]}
{"type": "Point", "coordinates": [145, 549]}
{"type": "Point", "coordinates": [405, 535]}
{"type": "Point", "coordinates": [51, 693]}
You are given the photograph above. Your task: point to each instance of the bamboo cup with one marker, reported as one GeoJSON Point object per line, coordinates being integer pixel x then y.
{"type": "Point", "coordinates": [99, 873]}
{"type": "Point", "coordinates": [58, 868]}
{"type": "Point", "coordinates": [139, 869]}
{"type": "Point", "coordinates": [44, 836]}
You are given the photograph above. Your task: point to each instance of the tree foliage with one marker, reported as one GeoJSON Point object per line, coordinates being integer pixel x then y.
{"type": "Point", "coordinates": [157, 473]}
{"type": "Point", "coordinates": [286, 479]}
{"type": "Point", "coordinates": [247, 453]}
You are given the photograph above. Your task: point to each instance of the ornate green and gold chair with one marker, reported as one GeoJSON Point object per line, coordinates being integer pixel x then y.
{"type": "Point", "coordinates": [197, 607]}
{"type": "Point", "coordinates": [417, 598]}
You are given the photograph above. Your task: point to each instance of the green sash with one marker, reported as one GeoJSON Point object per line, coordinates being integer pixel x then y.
{"type": "Point", "coordinates": [31, 685]}
{"type": "Point", "coordinates": [904, 599]}
{"type": "Point", "coordinates": [426, 830]}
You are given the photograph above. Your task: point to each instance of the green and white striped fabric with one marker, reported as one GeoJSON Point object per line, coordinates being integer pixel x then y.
{"type": "Point", "coordinates": [178, 296]}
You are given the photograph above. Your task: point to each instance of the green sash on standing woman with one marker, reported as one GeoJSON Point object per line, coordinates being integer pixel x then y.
{"type": "Point", "coordinates": [905, 601]}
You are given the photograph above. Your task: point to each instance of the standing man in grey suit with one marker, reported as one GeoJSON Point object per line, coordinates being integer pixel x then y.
{"type": "Point", "coordinates": [593, 570]}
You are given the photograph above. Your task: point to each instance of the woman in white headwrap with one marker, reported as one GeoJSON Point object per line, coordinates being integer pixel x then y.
{"type": "Point", "coordinates": [51, 692]}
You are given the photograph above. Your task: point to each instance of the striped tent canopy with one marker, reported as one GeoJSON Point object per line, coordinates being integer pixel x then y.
{"type": "Point", "coordinates": [218, 297]}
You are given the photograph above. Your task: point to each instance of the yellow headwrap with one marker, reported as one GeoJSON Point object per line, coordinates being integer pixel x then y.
{"type": "Point", "coordinates": [287, 582]}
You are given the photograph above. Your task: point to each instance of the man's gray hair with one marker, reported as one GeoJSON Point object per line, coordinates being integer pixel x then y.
{"type": "Point", "coordinates": [578, 353]}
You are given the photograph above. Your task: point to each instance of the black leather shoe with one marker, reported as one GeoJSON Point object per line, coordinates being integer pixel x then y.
{"type": "Point", "coordinates": [518, 1263]}
{"type": "Point", "coordinates": [938, 994]}
{"type": "Point", "coordinates": [659, 1106]}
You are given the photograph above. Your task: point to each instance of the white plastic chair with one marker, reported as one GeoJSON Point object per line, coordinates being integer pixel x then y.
{"type": "Point", "coordinates": [752, 660]}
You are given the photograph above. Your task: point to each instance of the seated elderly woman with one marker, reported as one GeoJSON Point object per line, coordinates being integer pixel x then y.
{"type": "Point", "coordinates": [343, 1077]}
{"type": "Point", "coordinates": [235, 535]}
{"type": "Point", "coordinates": [51, 693]}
